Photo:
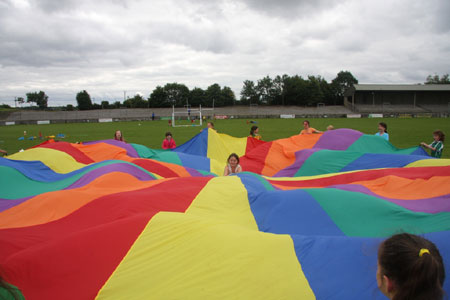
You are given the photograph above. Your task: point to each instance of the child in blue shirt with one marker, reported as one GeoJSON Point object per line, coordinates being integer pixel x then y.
{"type": "Point", "coordinates": [382, 131]}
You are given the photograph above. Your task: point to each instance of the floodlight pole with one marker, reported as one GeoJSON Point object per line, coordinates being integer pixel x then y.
{"type": "Point", "coordinates": [173, 115]}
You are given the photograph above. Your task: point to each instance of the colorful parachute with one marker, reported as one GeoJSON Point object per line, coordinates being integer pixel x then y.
{"type": "Point", "coordinates": [110, 220]}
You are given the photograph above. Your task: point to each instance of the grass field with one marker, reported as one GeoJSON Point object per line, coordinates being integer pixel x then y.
{"type": "Point", "coordinates": [403, 132]}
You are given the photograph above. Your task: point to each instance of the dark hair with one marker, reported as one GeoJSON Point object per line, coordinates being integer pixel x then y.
{"type": "Point", "coordinates": [233, 155]}
{"type": "Point", "coordinates": [15, 292]}
{"type": "Point", "coordinates": [306, 122]}
{"type": "Point", "coordinates": [384, 125]}
{"type": "Point", "coordinates": [121, 136]}
{"type": "Point", "coordinates": [212, 124]}
{"type": "Point", "coordinates": [168, 133]}
{"type": "Point", "coordinates": [252, 130]}
{"type": "Point", "coordinates": [440, 134]}
{"type": "Point", "coordinates": [415, 274]}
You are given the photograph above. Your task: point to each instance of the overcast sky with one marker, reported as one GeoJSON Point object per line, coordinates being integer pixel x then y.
{"type": "Point", "coordinates": [107, 47]}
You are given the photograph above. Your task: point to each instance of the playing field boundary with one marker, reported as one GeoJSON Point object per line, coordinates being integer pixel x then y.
{"type": "Point", "coordinates": [28, 117]}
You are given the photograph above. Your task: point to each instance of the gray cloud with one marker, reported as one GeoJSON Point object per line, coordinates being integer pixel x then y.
{"type": "Point", "coordinates": [107, 47]}
{"type": "Point", "coordinates": [291, 8]}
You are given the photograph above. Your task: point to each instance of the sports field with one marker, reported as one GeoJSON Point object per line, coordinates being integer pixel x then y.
{"type": "Point", "coordinates": [403, 133]}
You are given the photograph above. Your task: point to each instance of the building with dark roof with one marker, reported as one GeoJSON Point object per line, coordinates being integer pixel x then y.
{"type": "Point", "coordinates": [398, 97]}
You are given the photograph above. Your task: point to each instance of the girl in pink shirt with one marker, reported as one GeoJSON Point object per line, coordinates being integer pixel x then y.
{"type": "Point", "coordinates": [169, 142]}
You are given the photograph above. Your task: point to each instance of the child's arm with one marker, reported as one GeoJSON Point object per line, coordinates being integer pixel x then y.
{"type": "Point", "coordinates": [428, 146]}
{"type": "Point", "coordinates": [225, 172]}
{"type": "Point", "coordinates": [423, 144]}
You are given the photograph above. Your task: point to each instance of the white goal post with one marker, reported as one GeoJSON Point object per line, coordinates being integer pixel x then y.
{"type": "Point", "coordinates": [187, 114]}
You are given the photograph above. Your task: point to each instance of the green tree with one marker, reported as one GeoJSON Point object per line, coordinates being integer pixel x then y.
{"type": "Point", "coordinates": [266, 90]}
{"type": "Point", "coordinates": [136, 102]}
{"type": "Point", "coordinates": [116, 104]}
{"type": "Point", "coordinates": [279, 83]}
{"type": "Point", "coordinates": [197, 96]}
{"type": "Point", "coordinates": [70, 107]}
{"type": "Point", "coordinates": [329, 97]}
{"type": "Point", "coordinates": [435, 79]}
{"type": "Point", "coordinates": [214, 95]}
{"type": "Point", "coordinates": [41, 99]}
{"type": "Point", "coordinates": [228, 96]}
{"type": "Point", "coordinates": [343, 81]}
{"type": "Point", "coordinates": [84, 100]}
{"type": "Point", "coordinates": [158, 98]}
{"type": "Point", "coordinates": [177, 94]}
{"type": "Point", "coordinates": [295, 91]}
{"type": "Point", "coordinates": [314, 93]}
{"type": "Point", "coordinates": [249, 94]}
{"type": "Point", "coordinates": [105, 104]}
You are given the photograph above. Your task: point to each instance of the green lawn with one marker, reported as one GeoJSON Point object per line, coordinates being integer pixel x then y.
{"type": "Point", "coordinates": [403, 132]}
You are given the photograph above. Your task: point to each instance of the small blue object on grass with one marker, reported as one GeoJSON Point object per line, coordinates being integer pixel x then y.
{"type": "Point", "coordinates": [60, 135]}
{"type": "Point", "coordinates": [21, 138]}
{"type": "Point", "coordinates": [31, 138]}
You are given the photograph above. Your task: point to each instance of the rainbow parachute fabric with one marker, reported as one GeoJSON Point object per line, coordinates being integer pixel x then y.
{"type": "Point", "coordinates": [110, 220]}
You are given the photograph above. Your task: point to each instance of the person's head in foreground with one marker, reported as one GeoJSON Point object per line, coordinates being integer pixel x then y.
{"type": "Point", "coordinates": [118, 135]}
{"type": "Point", "coordinates": [382, 127]}
{"type": "Point", "coordinates": [210, 125]}
{"type": "Point", "coordinates": [439, 136]}
{"type": "Point", "coordinates": [254, 130]}
{"type": "Point", "coordinates": [168, 136]}
{"type": "Point", "coordinates": [410, 268]}
{"type": "Point", "coordinates": [330, 127]}
{"type": "Point", "coordinates": [306, 124]}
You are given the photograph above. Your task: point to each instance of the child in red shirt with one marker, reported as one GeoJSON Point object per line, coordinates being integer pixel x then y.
{"type": "Point", "coordinates": [169, 142]}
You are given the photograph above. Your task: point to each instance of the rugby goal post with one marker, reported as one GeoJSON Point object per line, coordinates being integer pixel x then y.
{"type": "Point", "coordinates": [187, 117]}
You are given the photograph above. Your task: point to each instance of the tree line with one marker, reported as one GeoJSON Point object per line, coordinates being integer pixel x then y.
{"type": "Point", "coordinates": [296, 90]}
{"type": "Point", "coordinates": [280, 90]}
{"type": "Point", "coordinates": [165, 96]}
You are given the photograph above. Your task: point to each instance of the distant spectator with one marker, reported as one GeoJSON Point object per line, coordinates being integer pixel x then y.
{"type": "Point", "coordinates": [233, 166]}
{"type": "Point", "coordinates": [382, 131]}
{"type": "Point", "coordinates": [169, 142]}
{"type": "Point", "coordinates": [118, 136]}
{"type": "Point", "coordinates": [153, 116]}
{"type": "Point", "coordinates": [3, 152]}
{"type": "Point", "coordinates": [330, 127]}
{"type": "Point", "coordinates": [9, 292]}
{"type": "Point", "coordinates": [254, 133]}
{"type": "Point", "coordinates": [307, 129]}
{"type": "Point", "coordinates": [437, 146]}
